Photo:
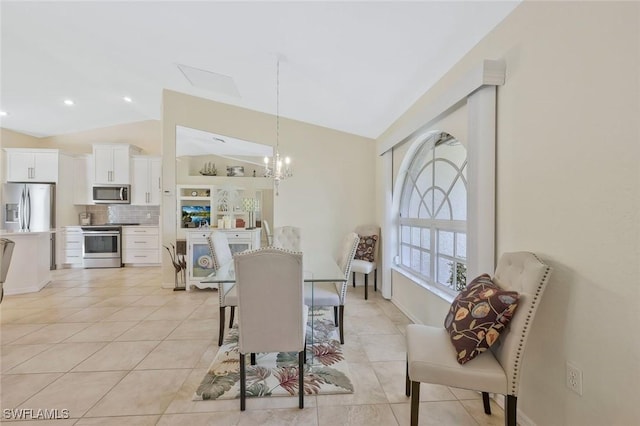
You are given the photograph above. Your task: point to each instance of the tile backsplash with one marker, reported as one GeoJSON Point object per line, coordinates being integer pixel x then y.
{"type": "Point", "coordinates": [117, 213]}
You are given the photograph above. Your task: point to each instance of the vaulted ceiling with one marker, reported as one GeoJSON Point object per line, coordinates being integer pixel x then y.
{"type": "Point", "coordinates": [350, 66]}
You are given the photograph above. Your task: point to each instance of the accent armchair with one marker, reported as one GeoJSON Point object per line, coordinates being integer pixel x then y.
{"type": "Point", "coordinates": [366, 258]}
{"type": "Point", "coordinates": [431, 357]}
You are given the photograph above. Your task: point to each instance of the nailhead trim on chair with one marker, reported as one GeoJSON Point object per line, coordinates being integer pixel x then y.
{"type": "Point", "coordinates": [532, 308]}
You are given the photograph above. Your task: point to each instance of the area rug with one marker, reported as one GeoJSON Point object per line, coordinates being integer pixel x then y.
{"type": "Point", "coordinates": [276, 374]}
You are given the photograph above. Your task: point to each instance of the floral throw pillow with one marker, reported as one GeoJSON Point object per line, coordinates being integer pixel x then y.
{"type": "Point", "coordinates": [366, 248]}
{"type": "Point", "coordinates": [477, 317]}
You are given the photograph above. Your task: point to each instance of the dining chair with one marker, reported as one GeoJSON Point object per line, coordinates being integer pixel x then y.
{"type": "Point", "coordinates": [287, 237]}
{"type": "Point", "coordinates": [272, 316]}
{"type": "Point", "coordinates": [335, 293]}
{"type": "Point", "coordinates": [267, 232]}
{"type": "Point", "coordinates": [6, 252]}
{"type": "Point", "coordinates": [366, 258]}
{"type": "Point", "coordinates": [431, 357]}
{"type": "Point", "coordinates": [221, 254]}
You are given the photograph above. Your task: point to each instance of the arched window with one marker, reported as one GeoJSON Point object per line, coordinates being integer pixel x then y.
{"type": "Point", "coordinates": [433, 213]}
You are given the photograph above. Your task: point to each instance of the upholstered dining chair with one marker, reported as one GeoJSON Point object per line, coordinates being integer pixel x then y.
{"type": "Point", "coordinates": [335, 294]}
{"type": "Point", "coordinates": [287, 237]}
{"type": "Point", "coordinates": [431, 357]}
{"type": "Point", "coordinates": [221, 254]}
{"type": "Point", "coordinates": [366, 258]}
{"type": "Point", "coordinates": [272, 316]}
{"type": "Point", "coordinates": [267, 232]}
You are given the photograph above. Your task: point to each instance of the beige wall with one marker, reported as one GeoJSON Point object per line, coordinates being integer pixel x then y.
{"type": "Point", "coordinates": [143, 134]}
{"type": "Point", "coordinates": [332, 189]}
{"type": "Point", "coordinates": [568, 183]}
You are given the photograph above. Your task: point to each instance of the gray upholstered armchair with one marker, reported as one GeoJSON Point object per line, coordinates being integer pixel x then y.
{"type": "Point", "coordinates": [431, 357]}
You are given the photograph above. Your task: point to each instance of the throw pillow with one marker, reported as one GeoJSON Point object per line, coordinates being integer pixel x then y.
{"type": "Point", "coordinates": [477, 317]}
{"type": "Point", "coordinates": [366, 248]}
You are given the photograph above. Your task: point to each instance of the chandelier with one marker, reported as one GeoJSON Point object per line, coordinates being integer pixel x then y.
{"type": "Point", "coordinates": [276, 167]}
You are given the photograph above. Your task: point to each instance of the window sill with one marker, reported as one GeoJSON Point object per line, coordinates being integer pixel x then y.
{"type": "Point", "coordinates": [442, 293]}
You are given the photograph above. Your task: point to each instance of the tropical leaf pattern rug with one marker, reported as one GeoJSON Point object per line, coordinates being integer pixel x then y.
{"type": "Point", "coordinates": [276, 374]}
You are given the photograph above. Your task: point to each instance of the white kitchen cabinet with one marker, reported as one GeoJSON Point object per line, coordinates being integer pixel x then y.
{"type": "Point", "coordinates": [83, 179]}
{"type": "Point", "coordinates": [112, 163]}
{"type": "Point", "coordinates": [72, 246]}
{"type": "Point", "coordinates": [32, 165]}
{"type": "Point", "coordinates": [140, 245]}
{"type": "Point", "coordinates": [199, 262]}
{"type": "Point", "coordinates": [145, 182]}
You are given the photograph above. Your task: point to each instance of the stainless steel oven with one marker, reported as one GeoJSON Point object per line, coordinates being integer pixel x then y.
{"type": "Point", "coordinates": [101, 247]}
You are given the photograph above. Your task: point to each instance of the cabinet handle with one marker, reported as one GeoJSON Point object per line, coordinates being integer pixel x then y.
{"type": "Point", "coordinates": [140, 242]}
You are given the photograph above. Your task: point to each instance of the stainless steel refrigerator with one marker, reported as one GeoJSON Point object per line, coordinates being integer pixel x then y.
{"type": "Point", "coordinates": [30, 207]}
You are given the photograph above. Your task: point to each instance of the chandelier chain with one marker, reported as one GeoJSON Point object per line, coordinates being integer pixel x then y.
{"type": "Point", "coordinates": [277, 105]}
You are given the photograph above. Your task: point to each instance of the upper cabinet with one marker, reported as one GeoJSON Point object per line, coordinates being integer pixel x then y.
{"type": "Point", "coordinates": [111, 163]}
{"type": "Point", "coordinates": [145, 182]}
{"type": "Point", "coordinates": [83, 179]}
{"type": "Point", "coordinates": [32, 165]}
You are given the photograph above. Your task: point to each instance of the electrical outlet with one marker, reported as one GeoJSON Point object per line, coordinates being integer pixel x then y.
{"type": "Point", "coordinates": [148, 215]}
{"type": "Point", "coordinates": [574, 378]}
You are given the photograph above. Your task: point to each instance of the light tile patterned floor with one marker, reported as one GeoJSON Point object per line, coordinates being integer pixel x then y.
{"type": "Point", "coordinates": [113, 348]}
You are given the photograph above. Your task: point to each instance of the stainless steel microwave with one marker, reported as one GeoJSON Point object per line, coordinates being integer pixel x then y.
{"type": "Point", "coordinates": [112, 194]}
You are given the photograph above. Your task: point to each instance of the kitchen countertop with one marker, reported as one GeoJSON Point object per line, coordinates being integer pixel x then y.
{"type": "Point", "coordinates": [5, 233]}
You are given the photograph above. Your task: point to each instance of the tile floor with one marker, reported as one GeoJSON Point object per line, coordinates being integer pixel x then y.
{"type": "Point", "coordinates": [112, 347]}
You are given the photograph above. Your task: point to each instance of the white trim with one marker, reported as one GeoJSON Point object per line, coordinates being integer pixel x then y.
{"type": "Point", "coordinates": [477, 90]}
{"type": "Point", "coordinates": [481, 157]}
{"type": "Point", "coordinates": [389, 242]}
{"type": "Point", "coordinates": [489, 72]}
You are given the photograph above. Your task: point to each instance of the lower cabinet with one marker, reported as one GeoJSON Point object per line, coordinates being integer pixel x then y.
{"type": "Point", "coordinates": [140, 245]}
{"type": "Point", "coordinates": [72, 246]}
{"type": "Point", "coordinates": [199, 262]}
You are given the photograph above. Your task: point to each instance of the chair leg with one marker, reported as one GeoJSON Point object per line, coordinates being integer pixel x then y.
{"type": "Point", "coordinates": [221, 333]}
{"type": "Point", "coordinates": [335, 315]}
{"type": "Point", "coordinates": [354, 279]}
{"type": "Point", "coordinates": [510, 403]}
{"type": "Point", "coordinates": [341, 324]}
{"type": "Point", "coordinates": [366, 286]}
{"type": "Point", "coordinates": [243, 385]}
{"type": "Point", "coordinates": [301, 358]}
{"type": "Point", "coordinates": [375, 279]}
{"type": "Point", "coordinates": [415, 402]}
{"type": "Point", "coordinates": [233, 311]}
{"type": "Point", "coordinates": [407, 390]}
{"type": "Point", "coordinates": [253, 358]}
{"type": "Point", "coordinates": [486, 403]}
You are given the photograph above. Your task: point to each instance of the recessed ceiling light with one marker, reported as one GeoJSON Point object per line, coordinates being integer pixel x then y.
{"type": "Point", "coordinates": [68, 102]}
{"type": "Point", "coordinates": [3, 113]}
{"type": "Point", "coordinates": [127, 99]}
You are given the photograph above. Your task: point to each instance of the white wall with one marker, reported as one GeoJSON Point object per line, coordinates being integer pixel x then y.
{"type": "Point", "coordinates": [568, 188]}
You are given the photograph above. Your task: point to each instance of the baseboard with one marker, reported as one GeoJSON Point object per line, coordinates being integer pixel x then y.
{"type": "Point", "coordinates": [405, 311]}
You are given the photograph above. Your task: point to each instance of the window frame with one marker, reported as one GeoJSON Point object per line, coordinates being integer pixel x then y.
{"type": "Point", "coordinates": [427, 153]}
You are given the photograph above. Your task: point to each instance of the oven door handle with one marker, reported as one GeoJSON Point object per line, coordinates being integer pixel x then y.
{"type": "Point", "coordinates": [100, 233]}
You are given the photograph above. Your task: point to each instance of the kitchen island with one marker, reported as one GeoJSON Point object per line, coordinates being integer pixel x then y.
{"type": "Point", "coordinates": [29, 270]}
